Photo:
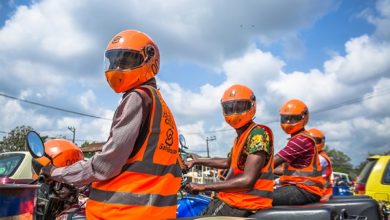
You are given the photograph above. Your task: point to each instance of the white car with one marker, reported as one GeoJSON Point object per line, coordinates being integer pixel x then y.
{"type": "Point", "coordinates": [342, 176]}
{"type": "Point", "coordinates": [15, 167]}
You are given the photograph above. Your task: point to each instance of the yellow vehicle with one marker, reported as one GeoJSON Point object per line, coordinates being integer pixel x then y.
{"type": "Point", "coordinates": [374, 179]}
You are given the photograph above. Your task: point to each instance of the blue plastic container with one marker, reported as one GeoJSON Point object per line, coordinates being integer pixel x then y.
{"type": "Point", "coordinates": [342, 190]}
{"type": "Point", "coordinates": [191, 206]}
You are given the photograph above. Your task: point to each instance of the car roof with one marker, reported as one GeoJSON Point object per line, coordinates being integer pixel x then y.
{"type": "Point", "coordinates": [378, 156]}
{"type": "Point", "coordinates": [13, 152]}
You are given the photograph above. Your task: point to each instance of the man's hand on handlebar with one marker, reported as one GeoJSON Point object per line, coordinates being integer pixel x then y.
{"type": "Point", "coordinates": [189, 164]}
{"type": "Point", "coordinates": [47, 170]}
{"type": "Point", "coordinates": [194, 188]}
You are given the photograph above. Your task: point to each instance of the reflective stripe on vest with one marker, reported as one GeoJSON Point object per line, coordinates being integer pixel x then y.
{"type": "Point", "coordinates": [313, 173]}
{"type": "Point", "coordinates": [127, 198]}
{"type": "Point", "coordinates": [328, 188]}
{"type": "Point", "coordinates": [152, 169]}
{"type": "Point", "coordinates": [263, 176]}
{"type": "Point", "coordinates": [151, 176]}
{"type": "Point", "coordinates": [260, 196]}
{"type": "Point", "coordinates": [308, 178]}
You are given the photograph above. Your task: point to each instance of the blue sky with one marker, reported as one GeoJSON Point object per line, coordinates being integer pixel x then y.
{"type": "Point", "coordinates": [331, 54]}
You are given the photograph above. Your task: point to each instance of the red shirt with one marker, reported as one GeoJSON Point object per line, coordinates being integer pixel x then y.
{"type": "Point", "coordinates": [298, 151]}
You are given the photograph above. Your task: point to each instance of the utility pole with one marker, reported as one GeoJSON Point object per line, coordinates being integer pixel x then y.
{"type": "Point", "coordinates": [210, 138]}
{"type": "Point", "coordinates": [73, 130]}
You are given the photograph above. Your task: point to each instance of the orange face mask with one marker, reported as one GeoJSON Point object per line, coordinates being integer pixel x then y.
{"type": "Point", "coordinates": [291, 128]}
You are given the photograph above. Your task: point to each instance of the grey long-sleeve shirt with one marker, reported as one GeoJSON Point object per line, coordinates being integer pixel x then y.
{"type": "Point", "coordinates": [125, 128]}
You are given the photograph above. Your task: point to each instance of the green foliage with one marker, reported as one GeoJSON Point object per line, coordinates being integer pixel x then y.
{"type": "Point", "coordinates": [86, 143]}
{"type": "Point", "coordinates": [340, 161]}
{"type": "Point", "coordinates": [15, 139]}
{"type": "Point", "coordinates": [359, 167]}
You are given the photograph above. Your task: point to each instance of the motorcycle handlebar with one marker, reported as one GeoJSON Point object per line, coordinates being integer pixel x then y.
{"type": "Point", "coordinates": [41, 178]}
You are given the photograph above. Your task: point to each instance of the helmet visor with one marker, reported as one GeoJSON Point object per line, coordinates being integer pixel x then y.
{"type": "Point", "coordinates": [319, 140]}
{"type": "Point", "coordinates": [236, 107]}
{"type": "Point", "coordinates": [122, 59]}
{"type": "Point", "coordinates": [290, 119]}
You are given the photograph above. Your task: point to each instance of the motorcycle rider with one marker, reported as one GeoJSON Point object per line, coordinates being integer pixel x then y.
{"type": "Point", "coordinates": [301, 181]}
{"type": "Point", "coordinates": [248, 185]}
{"type": "Point", "coordinates": [63, 153]}
{"type": "Point", "coordinates": [136, 175]}
{"type": "Point", "coordinates": [325, 161]}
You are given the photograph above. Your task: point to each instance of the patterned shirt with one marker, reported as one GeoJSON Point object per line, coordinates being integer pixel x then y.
{"type": "Point", "coordinates": [258, 140]}
{"type": "Point", "coordinates": [298, 152]}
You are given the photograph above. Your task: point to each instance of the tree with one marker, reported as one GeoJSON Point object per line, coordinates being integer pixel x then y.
{"type": "Point", "coordinates": [360, 167]}
{"type": "Point", "coordinates": [86, 143]}
{"type": "Point", "coordinates": [340, 161]}
{"type": "Point", "coordinates": [15, 140]}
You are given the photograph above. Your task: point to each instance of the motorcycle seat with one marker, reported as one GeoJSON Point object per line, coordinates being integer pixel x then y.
{"type": "Point", "coordinates": [355, 205]}
{"type": "Point", "coordinates": [306, 212]}
{"type": "Point", "coordinates": [347, 198]}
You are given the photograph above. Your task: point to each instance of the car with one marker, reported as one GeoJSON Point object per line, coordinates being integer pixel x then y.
{"type": "Point", "coordinates": [342, 176]}
{"type": "Point", "coordinates": [15, 167]}
{"type": "Point", "coordinates": [374, 179]}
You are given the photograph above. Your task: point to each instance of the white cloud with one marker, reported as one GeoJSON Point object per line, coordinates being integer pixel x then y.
{"type": "Point", "coordinates": [381, 20]}
{"type": "Point", "coordinates": [349, 124]}
{"type": "Point", "coordinates": [87, 99]}
{"type": "Point", "coordinates": [377, 101]}
{"type": "Point", "coordinates": [29, 31]}
{"type": "Point", "coordinates": [14, 114]}
{"type": "Point", "coordinates": [365, 60]}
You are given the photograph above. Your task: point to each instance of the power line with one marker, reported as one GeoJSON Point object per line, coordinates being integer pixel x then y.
{"type": "Point", "coordinates": [382, 92]}
{"type": "Point", "coordinates": [353, 101]}
{"type": "Point", "coordinates": [53, 107]}
{"type": "Point", "coordinates": [327, 108]}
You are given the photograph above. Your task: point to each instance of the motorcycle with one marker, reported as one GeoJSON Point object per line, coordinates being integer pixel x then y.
{"type": "Point", "coordinates": [55, 200]}
{"type": "Point", "coordinates": [62, 201]}
{"type": "Point", "coordinates": [188, 205]}
{"type": "Point", "coordinates": [338, 207]}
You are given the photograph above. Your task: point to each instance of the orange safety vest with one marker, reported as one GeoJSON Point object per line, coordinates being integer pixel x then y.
{"type": "Point", "coordinates": [148, 184]}
{"type": "Point", "coordinates": [327, 190]}
{"type": "Point", "coordinates": [260, 197]}
{"type": "Point", "coordinates": [308, 178]}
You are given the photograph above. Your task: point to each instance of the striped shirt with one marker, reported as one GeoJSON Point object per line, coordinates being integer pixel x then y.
{"type": "Point", "coordinates": [298, 151]}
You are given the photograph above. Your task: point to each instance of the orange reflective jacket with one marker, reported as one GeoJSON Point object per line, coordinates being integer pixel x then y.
{"type": "Point", "coordinates": [148, 184]}
{"type": "Point", "coordinates": [308, 178]}
{"type": "Point", "coordinates": [327, 190]}
{"type": "Point", "coordinates": [260, 197]}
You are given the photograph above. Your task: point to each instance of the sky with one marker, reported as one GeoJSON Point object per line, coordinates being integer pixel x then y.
{"type": "Point", "coordinates": [334, 55]}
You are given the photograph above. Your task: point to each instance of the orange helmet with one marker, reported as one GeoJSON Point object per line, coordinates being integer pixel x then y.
{"type": "Point", "coordinates": [131, 58]}
{"type": "Point", "coordinates": [318, 137]}
{"type": "Point", "coordinates": [294, 115]}
{"type": "Point", "coordinates": [238, 105]}
{"type": "Point", "coordinates": [63, 152]}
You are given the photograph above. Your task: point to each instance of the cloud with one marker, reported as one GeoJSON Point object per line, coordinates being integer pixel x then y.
{"type": "Point", "coordinates": [366, 59]}
{"type": "Point", "coordinates": [52, 55]}
{"type": "Point", "coordinates": [377, 101]}
{"type": "Point", "coordinates": [87, 99]}
{"type": "Point", "coordinates": [380, 18]}
{"type": "Point", "coordinates": [353, 113]}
